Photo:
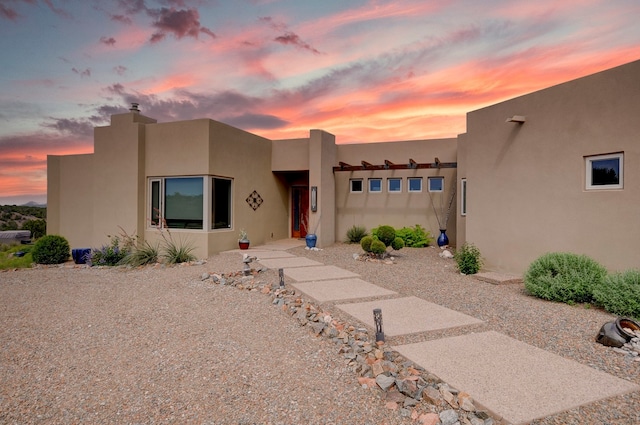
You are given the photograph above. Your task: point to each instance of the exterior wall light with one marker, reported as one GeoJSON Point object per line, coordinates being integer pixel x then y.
{"type": "Point", "coordinates": [520, 119]}
{"type": "Point", "coordinates": [314, 198]}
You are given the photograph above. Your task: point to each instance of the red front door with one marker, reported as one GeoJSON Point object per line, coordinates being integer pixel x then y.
{"type": "Point", "coordinates": [299, 211]}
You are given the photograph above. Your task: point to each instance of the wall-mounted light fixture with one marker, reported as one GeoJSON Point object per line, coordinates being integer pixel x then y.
{"type": "Point", "coordinates": [314, 198]}
{"type": "Point", "coordinates": [520, 119]}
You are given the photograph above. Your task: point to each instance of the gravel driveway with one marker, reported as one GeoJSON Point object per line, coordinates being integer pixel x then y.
{"type": "Point", "coordinates": [158, 345]}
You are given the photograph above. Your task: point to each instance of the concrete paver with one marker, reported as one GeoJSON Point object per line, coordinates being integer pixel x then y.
{"type": "Point", "coordinates": [512, 379]}
{"type": "Point", "coordinates": [315, 273]}
{"type": "Point", "coordinates": [342, 289]}
{"type": "Point", "coordinates": [280, 263]}
{"type": "Point", "coordinates": [408, 315]}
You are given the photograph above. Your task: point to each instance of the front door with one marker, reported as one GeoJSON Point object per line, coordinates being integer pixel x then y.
{"type": "Point", "coordinates": [299, 211]}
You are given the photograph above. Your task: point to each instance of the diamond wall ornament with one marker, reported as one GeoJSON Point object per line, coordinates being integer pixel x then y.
{"type": "Point", "coordinates": [254, 200]}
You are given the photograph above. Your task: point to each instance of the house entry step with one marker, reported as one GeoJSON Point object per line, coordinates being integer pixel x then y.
{"type": "Point", "coordinates": [341, 289]}
{"type": "Point", "coordinates": [402, 316]}
{"type": "Point", "coordinates": [512, 379]}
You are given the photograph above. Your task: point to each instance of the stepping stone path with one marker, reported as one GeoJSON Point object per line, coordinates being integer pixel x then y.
{"type": "Point", "coordinates": [483, 378]}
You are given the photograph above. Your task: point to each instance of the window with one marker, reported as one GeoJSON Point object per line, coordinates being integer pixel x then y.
{"type": "Point", "coordinates": [220, 203]}
{"type": "Point", "coordinates": [375, 185]}
{"type": "Point", "coordinates": [182, 202]}
{"type": "Point", "coordinates": [394, 185]}
{"type": "Point", "coordinates": [604, 171]}
{"type": "Point", "coordinates": [355, 185]}
{"type": "Point", "coordinates": [183, 198]}
{"type": "Point", "coordinates": [463, 197]}
{"type": "Point", "coordinates": [436, 184]}
{"type": "Point", "coordinates": [415, 184]}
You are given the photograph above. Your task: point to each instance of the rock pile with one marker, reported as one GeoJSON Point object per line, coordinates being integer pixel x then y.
{"type": "Point", "coordinates": [632, 348]}
{"type": "Point", "coordinates": [402, 385]}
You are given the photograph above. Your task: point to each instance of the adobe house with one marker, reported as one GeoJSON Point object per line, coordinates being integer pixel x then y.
{"type": "Point", "coordinates": [204, 181]}
{"type": "Point", "coordinates": [554, 170]}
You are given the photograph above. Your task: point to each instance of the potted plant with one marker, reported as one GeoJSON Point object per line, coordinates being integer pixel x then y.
{"type": "Point", "coordinates": [243, 241]}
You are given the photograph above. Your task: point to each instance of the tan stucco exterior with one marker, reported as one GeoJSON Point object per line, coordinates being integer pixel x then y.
{"type": "Point", "coordinates": [526, 189]}
{"type": "Point", "coordinates": [526, 182]}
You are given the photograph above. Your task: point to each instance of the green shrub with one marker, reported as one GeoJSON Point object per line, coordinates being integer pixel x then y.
{"type": "Point", "coordinates": [177, 252]}
{"type": "Point", "coordinates": [397, 244]}
{"type": "Point", "coordinates": [144, 254]}
{"type": "Point", "coordinates": [468, 259]}
{"type": "Point", "coordinates": [51, 249]}
{"type": "Point", "coordinates": [378, 247]}
{"type": "Point", "coordinates": [564, 277]}
{"type": "Point", "coordinates": [415, 237]}
{"type": "Point", "coordinates": [38, 228]}
{"type": "Point", "coordinates": [365, 243]}
{"type": "Point", "coordinates": [386, 234]}
{"type": "Point", "coordinates": [356, 233]}
{"type": "Point", "coordinates": [619, 293]}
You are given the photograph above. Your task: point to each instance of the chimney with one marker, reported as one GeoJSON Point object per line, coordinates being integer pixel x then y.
{"type": "Point", "coordinates": [134, 108]}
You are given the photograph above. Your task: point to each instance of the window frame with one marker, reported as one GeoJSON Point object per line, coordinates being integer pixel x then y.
{"type": "Point", "coordinates": [372, 179]}
{"type": "Point", "coordinates": [588, 165]}
{"type": "Point", "coordinates": [435, 178]}
{"type": "Point", "coordinates": [211, 203]}
{"type": "Point", "coordinates": [352, 181]}
{"type": "Point", "coordinates": [463, 197]}
{"type": "Point", "coordinates": [389, 180]}
{"type": "Point", "coordinates": [409, 180]}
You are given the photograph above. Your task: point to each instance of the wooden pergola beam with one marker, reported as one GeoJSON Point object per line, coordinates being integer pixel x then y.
{"type": "Point", "coordinates": [388, 165]}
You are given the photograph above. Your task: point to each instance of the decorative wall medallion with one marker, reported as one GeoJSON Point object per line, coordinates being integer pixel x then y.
{"type": "Point", "coordinates": [254, 200]}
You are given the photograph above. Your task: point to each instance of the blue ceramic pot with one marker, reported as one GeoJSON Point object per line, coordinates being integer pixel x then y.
{"type": "Point", "coordinates": [443, 239]}
{"type": "Point", "coordinates": [311, 240]}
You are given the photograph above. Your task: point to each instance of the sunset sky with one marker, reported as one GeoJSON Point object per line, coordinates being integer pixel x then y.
{"type": "Point", "coordinates": [364, 70]}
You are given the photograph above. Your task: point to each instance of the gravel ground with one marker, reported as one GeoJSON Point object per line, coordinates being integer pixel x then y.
{"type": "Point", "coordinates": [568, 331]}
{"type": "Point", "coordinates": [158, 345]}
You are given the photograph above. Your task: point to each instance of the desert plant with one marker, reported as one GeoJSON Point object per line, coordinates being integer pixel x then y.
{"type": "Point", "coordinates": [377, 247]}
{"type": "Point", "coordinates": [108, 255]}
{"type": "Point", "coordinates": [564, 277]}
{"type": "Point", "coordinates": [51, 249]}
{"type": "Point", "coordinates": [365, 243]}
{"type": "Point", "coordinates": [385, 233]}
{"type": "Point", "coordinates": [468, 259]}
{"type": "Point", "coordinates": [397, 244]}
{"type": "Point", "coordinates": [619, 293]}
{"type": "Point", "coordinates": [142, 255]}
{"type": "Point", "coordinates": [177, 252]}
{"type": "Point", "coordinates": [356, 233]}
{"type": "Point", "coordinates": [415, 237]}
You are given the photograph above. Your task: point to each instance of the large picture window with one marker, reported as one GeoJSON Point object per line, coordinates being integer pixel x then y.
{"type": "Point", "coordinates": [182, 202]}
{"type": "Point", "coordinates": [604, 171]}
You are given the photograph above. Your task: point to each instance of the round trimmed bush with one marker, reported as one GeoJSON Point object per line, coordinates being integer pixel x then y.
{"type": "Point", "coordinates": [619, 293]}
{"type": "Point", "coordinates": [378, 247]}
{"type": "Point", "coordinates": [386, 234]}
{"type": "Point", "coordinates": [365, 243]}
{"type": "Point", "coordinates": [564, 277]}
{"type": "Point", "coordinates": [397, 244]}
{"type": "Point", "coordinates": [51, 249]}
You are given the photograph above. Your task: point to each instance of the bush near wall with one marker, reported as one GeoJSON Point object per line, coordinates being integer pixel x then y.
{"type": "Point", "coordinates": [619, 293]}
{"type": "Point", "coordinates": [51, 249]}
{"type": "Point", "coordinates": [564, 277]}
{"type": "Point", "coordinates": [356, 233]}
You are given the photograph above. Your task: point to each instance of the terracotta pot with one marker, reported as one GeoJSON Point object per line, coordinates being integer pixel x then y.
{"type": "Point", "coordinates": [243, 244]}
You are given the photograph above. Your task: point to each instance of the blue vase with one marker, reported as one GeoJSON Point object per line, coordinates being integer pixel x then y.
{"type": "Point", "coordinates": [311, 240]}
{"type": "Point", "coordinates": [443, 239]}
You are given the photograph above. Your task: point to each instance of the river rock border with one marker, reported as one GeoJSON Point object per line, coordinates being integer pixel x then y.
{"type": "Point", "coordinates": [403, 386]}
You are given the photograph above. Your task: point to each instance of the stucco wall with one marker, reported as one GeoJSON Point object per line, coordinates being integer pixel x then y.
{"type": "Point", "coordinates": [290, 155]}
{"type": "Point", "coordinates": [526, 182]}
{"type": "Point", "coordinates": [395, 209]}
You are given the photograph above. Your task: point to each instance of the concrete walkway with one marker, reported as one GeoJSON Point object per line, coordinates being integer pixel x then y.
{"type": "Point", "coordinates": [515, 381]}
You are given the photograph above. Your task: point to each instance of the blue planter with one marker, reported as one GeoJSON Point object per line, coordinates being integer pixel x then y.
{"type": "Point", "coordinates": [311, 240]}
{"type": "Point", "coordinates": [443, 239]}
{"type": "Point", "coordinates": [80, 255]}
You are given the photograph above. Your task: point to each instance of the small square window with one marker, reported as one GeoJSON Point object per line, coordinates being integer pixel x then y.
{"type": "Point", "coordinates": [375, 185]}
{"type": "Point", "coordinates": [394, 185]}
{"type": "Point", "coordinates": [415, 184]}
{"type": "Point", "coordinates": [355, 185]}
{"type": "Point", "coordinates": [436, 184]}
{"type": "Point", "coordinates": [604, 171]}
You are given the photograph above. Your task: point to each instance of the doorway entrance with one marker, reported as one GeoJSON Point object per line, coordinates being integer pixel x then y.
{"type": "Point", "coordinates": [299, 211]}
